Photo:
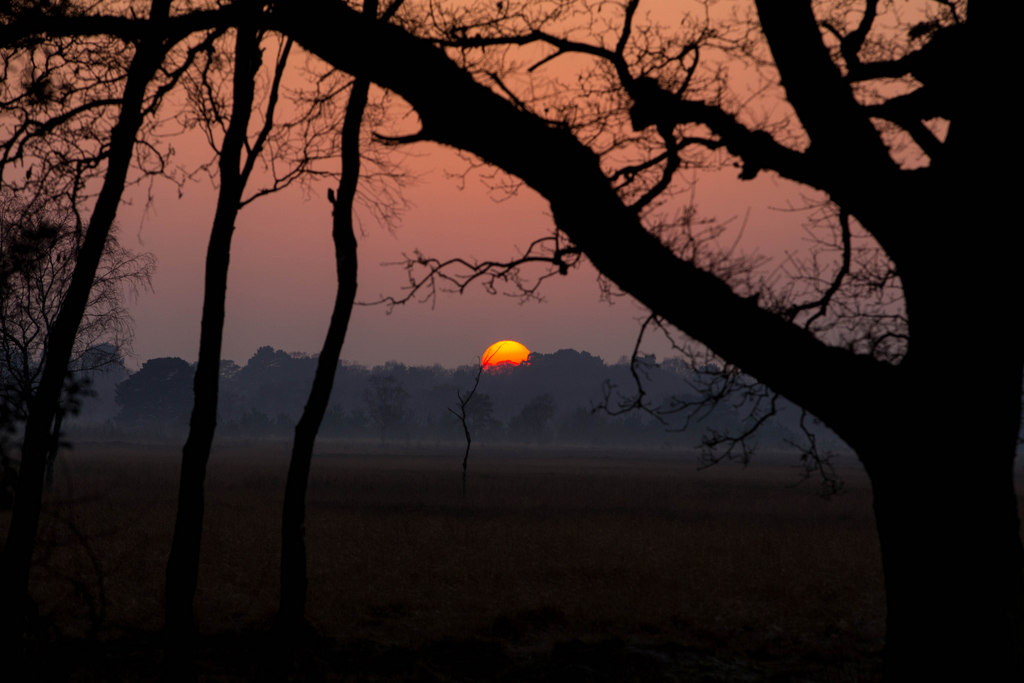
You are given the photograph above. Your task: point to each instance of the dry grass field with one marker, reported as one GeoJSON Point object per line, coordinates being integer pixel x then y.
{"type": "Point", "coordinates": [556, 566]}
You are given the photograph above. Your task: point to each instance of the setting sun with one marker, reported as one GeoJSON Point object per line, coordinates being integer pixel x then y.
{"type": "Point", "coordinates": [505, 352]}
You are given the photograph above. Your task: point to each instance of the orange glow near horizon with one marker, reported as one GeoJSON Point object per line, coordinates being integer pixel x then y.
{"type": "Point", "coordinates": [505, 352]}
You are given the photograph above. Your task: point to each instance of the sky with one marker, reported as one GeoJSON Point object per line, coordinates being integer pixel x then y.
{"type": "Point", "coordinates": [282, 282]}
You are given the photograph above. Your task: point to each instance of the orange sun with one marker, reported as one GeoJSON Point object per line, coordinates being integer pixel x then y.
{"type": "Point", "coordinates": [504, 353]}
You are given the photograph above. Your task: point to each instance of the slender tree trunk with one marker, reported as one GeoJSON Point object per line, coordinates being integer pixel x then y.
{"type": "Point", "coordinates": [291, 613]}
{"type": "Point", "coordinates": [183, 562]}
{"type": "Point", "coordinates": [51, 454]}
{"type": "Point", "coordinates": [16, 560]}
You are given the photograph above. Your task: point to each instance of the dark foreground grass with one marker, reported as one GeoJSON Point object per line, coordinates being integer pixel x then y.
{"type": "Point", "coordinates": [556, 566]}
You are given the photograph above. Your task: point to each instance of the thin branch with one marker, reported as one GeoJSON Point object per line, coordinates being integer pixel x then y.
{"type": "Point", "coordinates": [713, 441]}
{"type": "Point", "coordinates": [463, 415]}
{"type": "Point", "coordinates": [429, 276]}
{"type": "Point", "coordinates": [844, 269]}
{"type": "Point", "coordinates": [814, 463]}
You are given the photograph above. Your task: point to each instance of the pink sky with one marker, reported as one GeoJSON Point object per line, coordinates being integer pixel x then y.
{"type": "Point", "coordinates": [281, 285]}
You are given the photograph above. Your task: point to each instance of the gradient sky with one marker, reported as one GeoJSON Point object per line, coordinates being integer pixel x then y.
{"type": "Point", "coordinates": [282, 282]}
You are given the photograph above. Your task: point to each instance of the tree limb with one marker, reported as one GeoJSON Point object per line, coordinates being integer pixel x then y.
{"type": "Point", "coordinates": [451, 105]}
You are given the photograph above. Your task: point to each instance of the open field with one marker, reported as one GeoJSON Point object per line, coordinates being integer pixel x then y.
{"type": "Point", "coordinates": [556, 566]}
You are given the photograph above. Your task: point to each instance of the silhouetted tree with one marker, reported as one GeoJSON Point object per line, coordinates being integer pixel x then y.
{"type": "Point", "coordinates": [291, 612]}
{"type": "Point", "coordinates": [159, 393]}
{"type": "Point", "coordinates": [480, 414]}
{"type": "Point", "coordinates": [532, 422]}
{"type": "Point", "coordinates": [881, 118]}
{"type": "Point", "coordinates": [386, 402]}
{"type": "Point", "coordinates": [462, 413]}
{"type": "Point", "coordinates": [879, 110]}
{"type": "Point", "coordinates": [38, 251]}
{"type": "Point", "coordinates": [150, 48]}
{"type": "Point", "coordinates": [237, 156]}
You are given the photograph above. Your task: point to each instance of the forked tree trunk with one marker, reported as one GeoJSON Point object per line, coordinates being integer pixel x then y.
{"type": "Point", "coordinates": [291, 614]}
{"type": "Point", "coordinates": [183, 562]}
{"type": "Point", "coordinates": [16, 560]}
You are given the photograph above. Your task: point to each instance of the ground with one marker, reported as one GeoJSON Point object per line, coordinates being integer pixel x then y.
{"type": "Point", "coordinates": [568, 565]}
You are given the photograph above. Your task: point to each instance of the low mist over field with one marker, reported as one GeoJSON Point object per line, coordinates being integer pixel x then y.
{"type": "Point", "coordinates": [585, 541]}
{"type": "Point", "coordinates": [568, 397]}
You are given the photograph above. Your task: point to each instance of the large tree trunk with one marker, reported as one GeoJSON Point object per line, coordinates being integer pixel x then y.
{"type": "Point", "coordinates": [949, 529]}
{"type": "Point", "coordinates": [293, 530]}
{"type": "Point", "coordinates": [16, 560]}
{"type": "Point", "coordinates": [183, 561]}
{"type": "Point", "coordinates": [942, 466]}
{"type": "Point", "coordinates": [953, 568]}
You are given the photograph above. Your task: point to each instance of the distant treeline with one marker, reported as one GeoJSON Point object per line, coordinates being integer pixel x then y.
{"type": "Point", "coordinates": [555, 397]}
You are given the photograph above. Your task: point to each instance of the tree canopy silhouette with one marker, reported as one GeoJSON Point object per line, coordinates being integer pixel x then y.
{"type": "Point", "coordinates": [46, 127]}
{"type": "Point", "coordinates": [38, 251]}
{"type": "Point", "coordinates": [876, 109]}
{"type": "Point", "coordinates": [877, 116]}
